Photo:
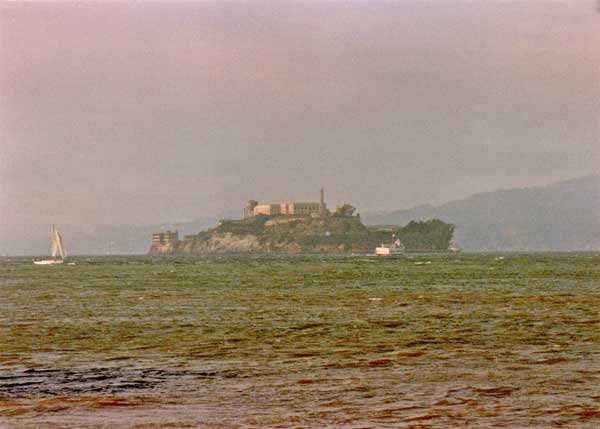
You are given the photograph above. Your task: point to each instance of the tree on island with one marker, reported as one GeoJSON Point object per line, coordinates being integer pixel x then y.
{"type": "Point", "coordinates": [344, 210]}
{"type": "Point", "coordinates": [431, 236]}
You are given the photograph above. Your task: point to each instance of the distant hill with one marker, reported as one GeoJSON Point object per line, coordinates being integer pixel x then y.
{"type": "Point", "coordinates": [93, 239]}
{"type": "Point", "coordinates": [564, 216]}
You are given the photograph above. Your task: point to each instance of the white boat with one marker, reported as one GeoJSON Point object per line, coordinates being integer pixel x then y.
{"type": "Point", "coordinates": [387, 251]}
{"type": "Point", "coordinates": [57, 248]}
{"type": "Point", "coordinates": [396, 248]}
{"type": "Point", "coordinates": [453, 248]}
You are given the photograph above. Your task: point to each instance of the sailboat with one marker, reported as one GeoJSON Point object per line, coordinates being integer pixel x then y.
{"type": "Point", "coordinates": [57, 248]}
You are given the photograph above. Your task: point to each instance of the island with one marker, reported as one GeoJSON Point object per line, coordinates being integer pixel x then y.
{"type": "Point", "coordinates": [293, 228]}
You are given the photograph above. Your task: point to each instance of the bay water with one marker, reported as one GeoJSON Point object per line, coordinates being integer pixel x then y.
{"type": "Point", "coordinates": [421, 341]}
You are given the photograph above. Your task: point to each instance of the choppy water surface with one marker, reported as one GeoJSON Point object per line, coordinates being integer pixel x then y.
{"type": "Point", "coordinates": [302, 342]}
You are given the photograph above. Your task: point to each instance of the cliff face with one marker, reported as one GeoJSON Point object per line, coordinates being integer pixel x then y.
{"type": "Point", "coordinates": [290, 234]}
{"type": "Point", "coordinates": [162, 249]}
{"type": "Point", "coordinates": [281, 234]}
{"type": "Point", "coordinates": [221, 243]}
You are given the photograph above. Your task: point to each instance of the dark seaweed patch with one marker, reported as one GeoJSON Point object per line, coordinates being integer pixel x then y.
{"type": "Point", "coordinates": [34, 382]}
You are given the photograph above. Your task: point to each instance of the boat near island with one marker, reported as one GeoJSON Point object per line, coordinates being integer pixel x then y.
{"type": "Point", "coordinates": [453, 248]}
{"type": "Point", "coordinates": [57, 248]}
{"type": "Point", "coordinates": [396, 248]}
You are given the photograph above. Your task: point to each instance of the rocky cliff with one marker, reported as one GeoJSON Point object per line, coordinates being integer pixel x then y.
{"type": "Point", "coordinates": [163, 248]}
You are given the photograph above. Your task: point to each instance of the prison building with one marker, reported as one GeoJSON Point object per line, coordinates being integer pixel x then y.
{"type": "Point", "coordinates": [252, 208]}
{"type": "Point", "coordinates": [300, 208]}
{"type": "Point", "coordinates": [267, 209]}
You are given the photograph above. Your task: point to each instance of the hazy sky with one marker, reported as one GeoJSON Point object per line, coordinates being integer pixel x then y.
{"type": "Point", "coordinates": [144, 113]}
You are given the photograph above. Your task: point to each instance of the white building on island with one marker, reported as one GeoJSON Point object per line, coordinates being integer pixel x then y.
{"type": "Point", "coordinates": [294, 208]}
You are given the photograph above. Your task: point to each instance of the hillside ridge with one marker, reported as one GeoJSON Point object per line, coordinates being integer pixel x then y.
{"type": "Point", "coordinates": [562, 216]}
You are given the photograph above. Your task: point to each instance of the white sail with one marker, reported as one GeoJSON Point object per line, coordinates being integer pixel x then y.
{"type": "Point", "coordinates": [57, 247]}
{"type": "Point", "coordinates": [54, 249]}
{"type": "Point", "coordinates": [61, 246]}
{"type": "Point", "coordinates": [57, 244]}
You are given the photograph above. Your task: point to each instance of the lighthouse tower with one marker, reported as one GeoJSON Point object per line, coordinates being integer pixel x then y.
{"type": "Point", "coordinates": [322, 202]}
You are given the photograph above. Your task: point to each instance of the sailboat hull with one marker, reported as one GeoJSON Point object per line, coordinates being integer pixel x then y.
{"type": "Point", "coordinates": [48, 262]}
